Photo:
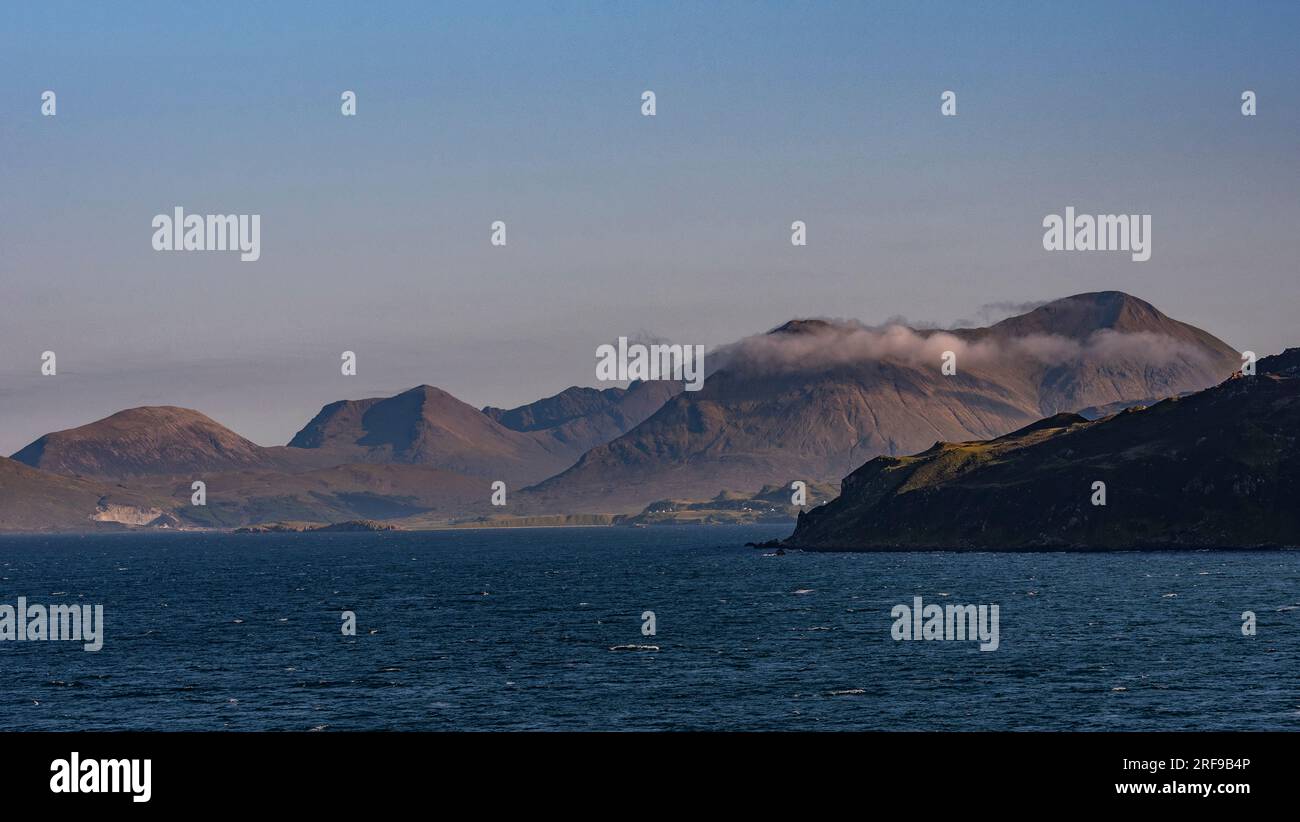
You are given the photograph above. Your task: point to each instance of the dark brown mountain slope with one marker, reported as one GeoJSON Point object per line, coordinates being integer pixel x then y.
{"type": "Point", "coordinates": [139, 441]}
{"type": "Point", "coordinates": [1218, 469]}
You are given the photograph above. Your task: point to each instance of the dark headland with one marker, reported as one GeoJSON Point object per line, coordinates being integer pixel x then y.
{"type": "Point", "coordinates": [1217, 469]}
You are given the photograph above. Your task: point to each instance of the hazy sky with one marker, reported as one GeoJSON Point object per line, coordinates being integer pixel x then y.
{"type": "Point", "coordinates": [375, 228]}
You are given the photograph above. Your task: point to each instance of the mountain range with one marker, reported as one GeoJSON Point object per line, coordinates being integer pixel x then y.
{"type": "Point", "coordinates": [810, 400]}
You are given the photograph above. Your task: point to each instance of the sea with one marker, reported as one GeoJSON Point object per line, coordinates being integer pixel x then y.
{"type": "Point", "coordinates": [549, 629]}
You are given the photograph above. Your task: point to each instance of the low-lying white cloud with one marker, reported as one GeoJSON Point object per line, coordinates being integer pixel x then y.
{"type": "Point", "coordinates": [826, 344]}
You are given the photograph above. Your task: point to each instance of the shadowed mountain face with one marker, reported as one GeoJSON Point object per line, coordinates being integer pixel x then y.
{"type": "Point", "coordinates": [814, 398]}
{"type": "Point", "coordinates": [578, 419]}
{"type": "Point", "coordinates": [1218, 469]}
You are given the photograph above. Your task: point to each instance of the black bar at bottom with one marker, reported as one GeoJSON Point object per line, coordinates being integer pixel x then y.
{"type": "Point", "coordinates": [334, 771]}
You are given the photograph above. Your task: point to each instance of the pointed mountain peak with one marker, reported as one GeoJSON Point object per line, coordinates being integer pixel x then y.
{"type": "Point", "coordinates": [1080, 315]}
{"type": "Point", "coordinates": [425, 390]}
{"type": "Point", "coordinates": [811, 326]}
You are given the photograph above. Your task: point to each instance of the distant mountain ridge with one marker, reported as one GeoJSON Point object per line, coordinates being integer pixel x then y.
{"type": "Point", "coordinates": [419, 452]}
{"type": "Point", "coordinates": [815, 398]}
{"type": "Point", "coordinates": [428, 426]}
{"type": "Point", "coordinates": [811, 399]}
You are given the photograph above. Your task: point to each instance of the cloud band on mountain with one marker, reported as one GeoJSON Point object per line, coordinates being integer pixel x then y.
{"type": "Point", "coordinates": [828, 344]}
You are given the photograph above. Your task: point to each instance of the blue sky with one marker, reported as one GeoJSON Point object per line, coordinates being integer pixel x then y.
{"type": "Point", "coordinates": [375, 228]}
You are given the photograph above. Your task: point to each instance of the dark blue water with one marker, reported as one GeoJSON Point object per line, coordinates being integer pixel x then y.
{"type": "Point", "coordinates": [513, 630]}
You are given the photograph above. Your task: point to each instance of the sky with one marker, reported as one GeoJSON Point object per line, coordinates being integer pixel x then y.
{"type": "Point", "coordinates": [375, 228]}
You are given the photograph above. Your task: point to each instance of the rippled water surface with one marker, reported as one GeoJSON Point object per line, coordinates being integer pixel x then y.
{"type": "Point", "coordinates": [513, 629]}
